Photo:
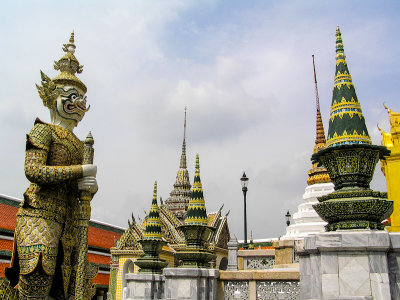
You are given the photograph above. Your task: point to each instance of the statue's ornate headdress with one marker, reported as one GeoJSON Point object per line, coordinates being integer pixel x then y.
{"type": "Point", "coordinates": [68, 65]}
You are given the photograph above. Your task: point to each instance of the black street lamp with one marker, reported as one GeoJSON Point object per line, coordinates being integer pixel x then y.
{"type": "Point", "coordinates": [288, 215]}
{"type": "Point", "coordinates": [245, 181]}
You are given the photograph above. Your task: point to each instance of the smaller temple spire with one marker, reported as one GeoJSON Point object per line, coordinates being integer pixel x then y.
{"type": "Point", "coordinates": [196, 213]}
{"type": "Point", "coordinates": [178, 201]}
{"type": "Point", "coordinates": [153, 223]}
{"type": "Point", "coordinates": [320, 137]}
{"type": "Point", "coordinates": [251, 245]}
{"type": "Point", "coordinates": [318, 174]}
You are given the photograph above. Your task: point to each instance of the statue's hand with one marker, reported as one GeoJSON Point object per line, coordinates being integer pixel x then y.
{"type": "Point", "coordinates": [88, 183]}
{"type": "Point", "coordinates": [89, 170]}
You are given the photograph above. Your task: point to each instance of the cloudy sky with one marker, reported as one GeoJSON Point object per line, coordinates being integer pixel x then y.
{"type": "Point", "coordinates": [243, 69]}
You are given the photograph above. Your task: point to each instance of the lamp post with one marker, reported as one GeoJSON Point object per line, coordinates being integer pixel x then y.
{"type": "Point", "coordinates": [245, 181]}
{"type": "Point", "coordinates": [288, 215]}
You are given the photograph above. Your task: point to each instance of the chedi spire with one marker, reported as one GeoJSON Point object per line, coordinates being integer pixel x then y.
{"type": "Point", "coordinates": [318, 174]}
{"type": "Point", "coordinates": [153, 223]}
{"type": "Point", "coordinates": [196, 213]}
{"type": "Point", "coordinates": [346, 122]}
{"type": "Point", "coordinates": [178, 201]}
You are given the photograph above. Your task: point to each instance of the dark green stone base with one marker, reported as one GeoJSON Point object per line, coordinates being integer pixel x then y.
{"type": "Point", "coordinates": [196, 235]}
{"type": "Point", "coordinates": [354, 209]}
{"type": "Point", "coordinates": [150, 262]}
{"type": "Point", "coordinates": [195, 258]}
{"type": "Point", "coordinates": [151, 265]}
{"type": "Point", "coordinates": [350, 166]}
{"type": "Point", "coordinates": [354, 224]}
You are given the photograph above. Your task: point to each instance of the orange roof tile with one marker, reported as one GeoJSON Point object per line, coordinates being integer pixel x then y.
{"type": "Point", "coordinates": [101, 279]}
{"type": "Point", "coordinates": [102, 238]}
{"type": "Point", "coordinates": [3, 266]}
{"type": "Point", "coordinates": [8, 216]}
{"type": "Point", "coordinates": [100, 259]}
{"type": "Point", "coordinates": [6, 245]}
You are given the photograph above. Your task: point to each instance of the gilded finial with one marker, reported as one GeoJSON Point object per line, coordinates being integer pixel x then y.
{"type": "Point", "coordinates": [72, 38]}
{"type": "Point", "coordinates": [339, 45]}
{"type": "Point", "coordinates": [155, 192]}
{"type": "Point", "coordinates": [184, 126]}
{"type": "Point", "coordinates": [197, 164]}
{"type": "Point", "coordinates": [89, 139]}
{"type": "Point", "coordinates": [183, 156]}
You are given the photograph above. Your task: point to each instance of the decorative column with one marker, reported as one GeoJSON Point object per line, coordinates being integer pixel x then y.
{"type": "Point", "coordinates": [194, 279]}
{"type": "Point", "coordinates": [233, 247]}
{"type": "Point", "coordinates": [349, 261]}
{"type": "Point", "coordinates": [149, 283]}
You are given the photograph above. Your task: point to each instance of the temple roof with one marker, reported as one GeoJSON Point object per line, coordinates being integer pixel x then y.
{"type": "Point", "coordinates": [129, 241]}
{"type": "Point", "coordinates": [346, 123]}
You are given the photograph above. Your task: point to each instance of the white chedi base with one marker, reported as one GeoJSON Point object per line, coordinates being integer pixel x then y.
{"type": "Point", "coordinates": [306, 219]}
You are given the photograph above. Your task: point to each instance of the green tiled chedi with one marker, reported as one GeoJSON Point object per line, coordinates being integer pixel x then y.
{"type": "Point", "coordinates": [153, 223]}
{"type": "Point", "coordinates": [346, 123]}
{"type": "Point", "coordinates": [196, 213]}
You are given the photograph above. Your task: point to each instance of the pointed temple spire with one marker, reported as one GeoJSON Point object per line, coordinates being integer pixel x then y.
{"type": "Point", "coordinates": [183, 155]}
{"type": "Point", "coordinates": [318, 174]}
{"type": "Point", "coordinates": [178, 201]}
{"type": "Point", "coordinates": [196, 213]}
{"type": "Point", "coordinates": [320, 138]}
{"type": "Point", "coordinates": [346, 123]}
{"type": "Point", "coordinates": [153, 223]}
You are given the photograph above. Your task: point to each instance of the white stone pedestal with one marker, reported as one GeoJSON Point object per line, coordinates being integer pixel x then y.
{"type": "Point", "coordinates": [190, 284]}
{"type": "Point", "coordinates": [348, 265]}
{"type": "Point", "coordinates": [144, 286]}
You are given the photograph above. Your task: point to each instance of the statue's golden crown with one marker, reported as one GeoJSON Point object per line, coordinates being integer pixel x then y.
{"type": "Point", "coordinates": [68, 65]}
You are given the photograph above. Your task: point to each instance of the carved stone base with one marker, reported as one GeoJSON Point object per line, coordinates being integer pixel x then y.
{"type": "Point", "coordinates": [193, 284]}
{"type": "Point", "coordinates": [192, 257]}
{"type": "Point", "coordinates": [144, 286]}
{"type": "Point", "coordinates": [354, 209]}
{"type": "Point", "coordinates": [362, 264]}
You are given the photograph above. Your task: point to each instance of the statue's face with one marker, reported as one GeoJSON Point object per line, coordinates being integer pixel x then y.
{"type": "Point", "coordinates": [70, 105]}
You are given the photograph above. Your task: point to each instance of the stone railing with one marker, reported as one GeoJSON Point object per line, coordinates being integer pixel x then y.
{"type": "Point", "coordinates": [259, 259]}
{"type": "Point", "coordinates": [259, 284]}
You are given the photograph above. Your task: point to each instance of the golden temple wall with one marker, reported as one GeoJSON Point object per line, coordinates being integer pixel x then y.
{"type": "Point", "coordinates": [391, 167]}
